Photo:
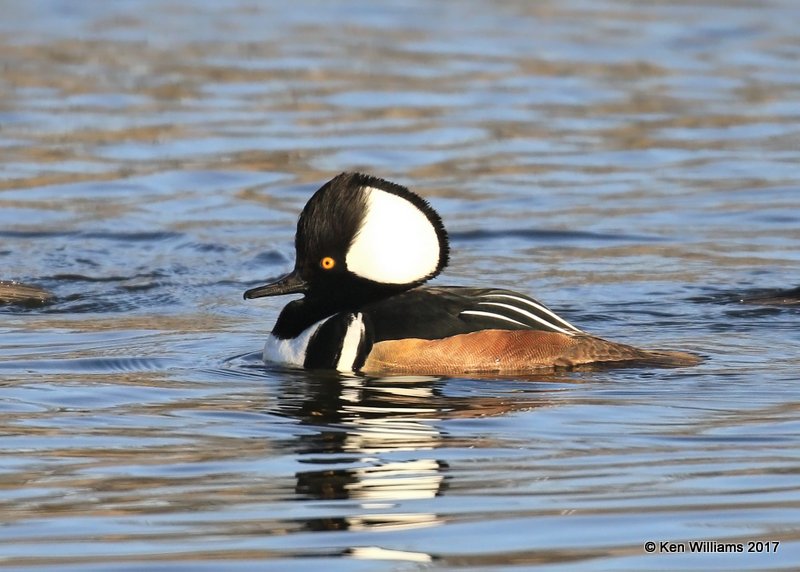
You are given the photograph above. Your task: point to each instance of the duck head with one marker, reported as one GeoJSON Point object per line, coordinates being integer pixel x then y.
{"type": "Point", "coordinates": [362, 238]}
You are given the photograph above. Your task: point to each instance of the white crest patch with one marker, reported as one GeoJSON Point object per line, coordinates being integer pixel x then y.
{"type": "Point", "coordinates": [292, 351]}
{"type": "Point", "coordinates": [396, 244]}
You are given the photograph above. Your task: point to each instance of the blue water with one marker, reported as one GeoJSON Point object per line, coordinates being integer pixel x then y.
{"type": "Point", "coordinates": [633, 165]}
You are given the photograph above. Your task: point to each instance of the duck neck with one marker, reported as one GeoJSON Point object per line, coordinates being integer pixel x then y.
{"type": "Point", "coordinates": [301, 314]}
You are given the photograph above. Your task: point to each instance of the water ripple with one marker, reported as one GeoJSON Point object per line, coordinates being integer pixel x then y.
{"type": "Point", "coordinates": [633, 165]}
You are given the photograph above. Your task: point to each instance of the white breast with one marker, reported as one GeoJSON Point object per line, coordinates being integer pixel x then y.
{"type": "Point", "coordinates": [292, 351]}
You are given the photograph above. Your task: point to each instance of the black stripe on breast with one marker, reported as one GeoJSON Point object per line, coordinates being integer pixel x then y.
{"type": "Point", "coordinates": [364, 345]}
{"type": "Point", "coordinates": [325, 347]}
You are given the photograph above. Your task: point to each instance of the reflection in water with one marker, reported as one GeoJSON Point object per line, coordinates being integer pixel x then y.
{"type": "Point", "coordinates": [376, 443]}
{"type": "Point", "coordinates": [377, 553]}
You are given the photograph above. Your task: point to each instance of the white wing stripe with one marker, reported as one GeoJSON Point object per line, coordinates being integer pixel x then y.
{"type": "Point", "coordinates": [535, 305]}
{"type": "Point", "coordinates": [491, 315]}
{"type": "Point", "coordinates": [527, 314]}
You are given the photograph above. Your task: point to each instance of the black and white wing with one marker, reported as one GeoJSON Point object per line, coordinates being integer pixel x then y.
{"type": "Point", "coordinates": [511, 310]}
{"type": "Point", "coordinates": [441, 311]}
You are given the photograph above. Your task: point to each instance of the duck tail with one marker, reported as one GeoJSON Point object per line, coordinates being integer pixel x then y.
{"type": "Point", "coordinates": [590, 349]}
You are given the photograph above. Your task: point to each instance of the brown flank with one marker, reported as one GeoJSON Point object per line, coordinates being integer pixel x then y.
{"type": "Point", "coordinates": [508, 351]}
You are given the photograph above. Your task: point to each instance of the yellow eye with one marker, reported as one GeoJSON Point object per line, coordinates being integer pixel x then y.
{"type": "Point", "coordinates": [327, 263]}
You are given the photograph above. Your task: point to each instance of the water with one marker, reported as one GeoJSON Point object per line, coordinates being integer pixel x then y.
{"type": "Point", "coordinates": [633, 165]}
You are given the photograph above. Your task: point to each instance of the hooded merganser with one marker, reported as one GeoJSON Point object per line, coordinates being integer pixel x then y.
{"type": "Point", "coordinates": [364, 247]}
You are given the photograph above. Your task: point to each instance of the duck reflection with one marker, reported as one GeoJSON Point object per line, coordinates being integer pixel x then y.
{"type": "Point", "coordinates": [375, 441]}
{"type": "Point", "coordinates": [374, 444]}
